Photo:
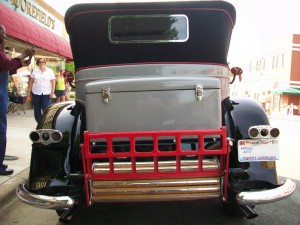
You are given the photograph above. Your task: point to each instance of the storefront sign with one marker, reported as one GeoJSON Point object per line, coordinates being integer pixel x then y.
{"type": "Point", "coordinates": [34, 11]}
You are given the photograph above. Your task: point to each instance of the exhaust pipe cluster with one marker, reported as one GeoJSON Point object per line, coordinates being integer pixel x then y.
{"type": "Point", "coordinates": [45, 136]}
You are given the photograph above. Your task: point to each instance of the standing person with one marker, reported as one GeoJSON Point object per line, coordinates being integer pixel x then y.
{"type": "Point", "coordinates": [61, 87]}
{"type": "Point", "coordinates": [268, 103]}
{"type": "Point", "coordinates": [41, 86]}
{"type": "Point", "coordinates": [291, 110]}
{"type": "Point", "coordinates": [7, 65]}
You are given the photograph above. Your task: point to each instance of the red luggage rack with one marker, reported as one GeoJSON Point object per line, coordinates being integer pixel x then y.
{"type": "Point", "coordinates": [132, 171]}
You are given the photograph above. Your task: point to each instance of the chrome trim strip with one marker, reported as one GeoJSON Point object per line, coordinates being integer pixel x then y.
{"type": "Point", "coordinates": [43, 201]}
{"type": "Point", "coordinates": [154, 198]}
{"type": "Point", "coordinates": [196, 181]}
{"type": "Point", "coordinates": [163, 166]}
{"type": "Point", "coordinates": [156, 189]}
{"type": "Point", "coordinates": [267, 196]}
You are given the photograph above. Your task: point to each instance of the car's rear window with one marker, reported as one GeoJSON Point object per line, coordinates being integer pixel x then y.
{"type": "Point", "coordinates": [148, 29]}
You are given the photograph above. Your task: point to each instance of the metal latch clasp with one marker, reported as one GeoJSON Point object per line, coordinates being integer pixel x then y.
{"type": "Point", "coordinates": [199, 91]}
{"type": "Point", "coordinates": [106, 94]}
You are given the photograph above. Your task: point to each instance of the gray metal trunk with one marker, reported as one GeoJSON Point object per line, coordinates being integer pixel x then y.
{"type": "Point", "coordinates": [168, 103]}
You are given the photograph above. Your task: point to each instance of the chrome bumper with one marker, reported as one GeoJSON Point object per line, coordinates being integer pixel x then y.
{"type": "Point", "coordinates": [267, 196]}
{"type": "Point", "coordinates": [43, 201]}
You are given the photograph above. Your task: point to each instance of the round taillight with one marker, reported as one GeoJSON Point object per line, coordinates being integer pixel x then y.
{"type": "Point", "coordinates": [45, 136]}
{"type": "Point", "coordinates": [274, 132]}
{"type": "Point", "coordinates": [34, 136]}
{"type": "Point", "coordinates": [253, 132]}
{"type": "Point", "coordinates": [264, 132]}
{"type": "Point", "coordinates": [56, 136]}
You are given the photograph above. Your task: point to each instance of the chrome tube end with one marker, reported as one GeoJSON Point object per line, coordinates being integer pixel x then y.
{"type": "Point", "coordinates": [44, 201]}
{"type": "Point", "coordinates": [267, 196]}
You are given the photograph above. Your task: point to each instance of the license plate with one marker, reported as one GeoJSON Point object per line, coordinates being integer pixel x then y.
{"type": "Point", "coordinates": [258, 150]}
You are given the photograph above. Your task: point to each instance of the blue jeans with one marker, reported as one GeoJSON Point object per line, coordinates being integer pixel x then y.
{"type": "Point", "coordinates": [40, 103]}
{"type": "Point", "coordinates": [3, 116]}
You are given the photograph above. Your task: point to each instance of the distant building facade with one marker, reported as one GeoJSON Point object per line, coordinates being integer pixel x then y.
{"type": "Point", "coordinates": [276, 71]}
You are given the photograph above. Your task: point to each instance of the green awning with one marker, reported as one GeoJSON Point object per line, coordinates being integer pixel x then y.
{"type": "Point", "coordinates": [287, 91]}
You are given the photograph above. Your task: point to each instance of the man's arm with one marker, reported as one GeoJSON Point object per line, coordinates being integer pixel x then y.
{"type": "Point", "coordinates": [15, 63]}
{"type": "Point", "coordinates": [9, 64]}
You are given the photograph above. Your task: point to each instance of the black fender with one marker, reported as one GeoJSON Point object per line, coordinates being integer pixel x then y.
{"type": "Point", "coordinates": [50, 164]}
{"type": "Point", "coordinates": [58, 116]}
{"type": "Point", "coordinates": [245, 113]}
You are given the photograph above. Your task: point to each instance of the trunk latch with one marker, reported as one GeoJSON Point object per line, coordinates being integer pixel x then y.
{"type": "Point", "coordinates": [199, 91]}
{"type": "Point", "coordinates": [106, 94]}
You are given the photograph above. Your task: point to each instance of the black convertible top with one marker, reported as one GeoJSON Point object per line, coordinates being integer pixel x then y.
{"type": "Point", "coordinates": [210, 28]}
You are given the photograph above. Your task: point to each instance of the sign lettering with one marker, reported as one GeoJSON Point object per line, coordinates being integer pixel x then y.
{"type": "Point", "coordinates": [27, 7]}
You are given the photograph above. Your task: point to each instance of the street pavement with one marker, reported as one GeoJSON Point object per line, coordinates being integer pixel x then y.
{"type": "Point", "coordinates": [19, 147]}
{"type": "Point", "coordinates": [18, 151]}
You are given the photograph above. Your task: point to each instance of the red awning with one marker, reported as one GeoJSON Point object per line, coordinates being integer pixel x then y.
{"type": "Point", "coordinates": [24, 29]}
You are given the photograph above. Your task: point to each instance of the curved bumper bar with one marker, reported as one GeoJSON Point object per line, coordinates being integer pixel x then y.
{"type": "Point", "coordinates": [44, 201]}
{"type": "Point", "coordinates": [267, 196]}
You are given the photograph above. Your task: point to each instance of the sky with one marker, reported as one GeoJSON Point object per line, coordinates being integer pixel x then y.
{"type": "Point", "coordinates": [258, 22]}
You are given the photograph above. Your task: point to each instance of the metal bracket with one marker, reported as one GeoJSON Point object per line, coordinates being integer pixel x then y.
{"type": "Point", "coordinates": [106, 94]}
{"type": "Point", "coordinates": [199, 91]}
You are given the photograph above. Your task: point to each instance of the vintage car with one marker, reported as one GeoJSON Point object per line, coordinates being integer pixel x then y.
{"type": "Point", "coordinates": [153, 119]}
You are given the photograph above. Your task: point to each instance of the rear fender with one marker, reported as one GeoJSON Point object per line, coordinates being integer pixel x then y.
{"type": "Point", "coordinates": [246, 113]}
{"type": "Point", "coordinates": [47, 167]}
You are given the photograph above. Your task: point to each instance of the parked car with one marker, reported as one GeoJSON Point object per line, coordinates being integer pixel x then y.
{"type": "Point", "coordinates": [153, 118]}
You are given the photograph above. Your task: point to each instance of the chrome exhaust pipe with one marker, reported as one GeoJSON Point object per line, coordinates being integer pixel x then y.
{"type": "Point", "coordinates": [248, 211]}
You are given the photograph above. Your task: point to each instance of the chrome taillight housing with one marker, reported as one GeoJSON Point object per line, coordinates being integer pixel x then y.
{"type": "Point", "coordinates": [263, 131]}
{"type": "Point", "coordinates": [45, 136]}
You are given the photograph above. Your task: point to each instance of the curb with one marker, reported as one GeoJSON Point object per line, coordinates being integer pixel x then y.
{"type": "Point", "coordinates": [8, 188]}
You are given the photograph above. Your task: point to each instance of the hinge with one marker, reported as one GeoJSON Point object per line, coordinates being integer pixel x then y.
{"type": "Point", "coordinates": [106, 94]}
{"type": "Point", "coordinates": [199, 91]}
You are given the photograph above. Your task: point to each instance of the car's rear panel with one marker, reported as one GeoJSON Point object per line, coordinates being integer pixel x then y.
{"type": "Point", "coordinates": [170, 103]}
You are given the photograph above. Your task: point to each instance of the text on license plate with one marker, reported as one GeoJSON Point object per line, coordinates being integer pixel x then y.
{"type": "Point", "coordinates": [258, 150]}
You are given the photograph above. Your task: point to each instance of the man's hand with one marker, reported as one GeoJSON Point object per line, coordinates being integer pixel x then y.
{"type": "Point", "coordinates": [26, 62]}
{"type": "Point", "coordinates": [30, 51]}
{"type": "Point", "coordinates": [27, 52]}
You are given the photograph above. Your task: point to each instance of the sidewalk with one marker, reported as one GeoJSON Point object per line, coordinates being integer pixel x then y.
{"type": "Point", "coordinates": [18, 145]}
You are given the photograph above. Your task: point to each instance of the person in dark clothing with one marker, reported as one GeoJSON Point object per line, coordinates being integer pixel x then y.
{"type": "Point", "coordinates": [8, 66]}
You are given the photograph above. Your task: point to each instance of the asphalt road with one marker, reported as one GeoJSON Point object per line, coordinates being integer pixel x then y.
{"type": "Point", "coordinates": [208, 212]}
